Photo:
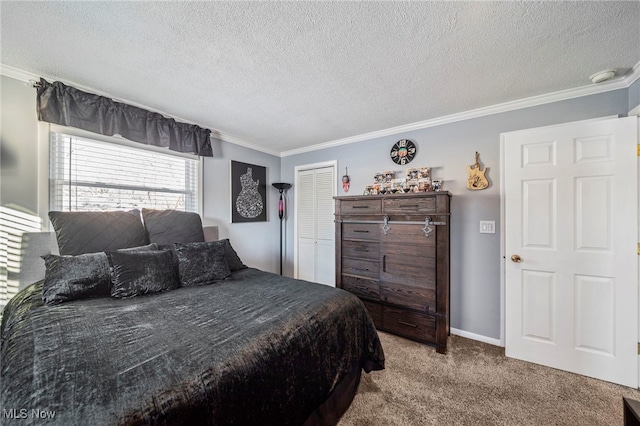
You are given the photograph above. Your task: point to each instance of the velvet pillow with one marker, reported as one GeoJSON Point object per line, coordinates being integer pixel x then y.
{"type": "Point", "coordinates": [147, 247]}
{"type": "Point", "coordinates": [172, 226]}
{"type": "Point", "coordinates": [201, 263]}
{"type": "Point", "coordinates": [142, 272]}
{"type": "Point", "coordinates": [75, 277]}
{"type": "Point", "coordinates": [92, 232]}
{"type": "Point", "coordinates": [233, 260]}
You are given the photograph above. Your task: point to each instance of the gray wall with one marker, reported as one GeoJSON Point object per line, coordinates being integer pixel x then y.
{"type": "Point", "coordinates": [18, 145]}
{"type": "Point", "coordinates": [634, 95]}
{"type": "Point", "coordinates": [256, 243]}
{"type": "Point", "coordinates": [448, 149]}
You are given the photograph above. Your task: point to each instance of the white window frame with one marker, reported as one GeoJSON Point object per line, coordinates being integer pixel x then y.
{"type": "Point", "coordinates": [44, 134]}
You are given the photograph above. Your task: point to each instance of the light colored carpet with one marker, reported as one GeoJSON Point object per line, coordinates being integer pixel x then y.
{"type": "Point", "coordinates": [475, 384]}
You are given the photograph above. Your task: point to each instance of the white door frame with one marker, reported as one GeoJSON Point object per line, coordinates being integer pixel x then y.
{"type": "Point", "coordinates": [297, 169]}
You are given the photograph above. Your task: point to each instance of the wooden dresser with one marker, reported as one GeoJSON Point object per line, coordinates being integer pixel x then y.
{"type": "Point", "coordinates": [392, 251]}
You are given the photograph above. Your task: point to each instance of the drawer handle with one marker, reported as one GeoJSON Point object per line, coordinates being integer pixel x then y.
{"type": "Point", "coordinates": [360, 269]}
{"type": "Point", "coordinates": [408, 324]}
{"type": "Point", "coordinates": [362, 250]}
{"type": "Point", "coordinates": [361, 231]}
{"type": "Point", "coordinates": [362, 287]}
{"type": "Point", "coordinates": [384, 263]}
{"type": "Point", "coordinates": [360, 207]}
{"type": "Point", "coordinates": [409, 206]}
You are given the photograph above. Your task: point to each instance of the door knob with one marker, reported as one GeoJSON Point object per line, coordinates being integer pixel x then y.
{"type": "Point", "coordinates": [515, 258]}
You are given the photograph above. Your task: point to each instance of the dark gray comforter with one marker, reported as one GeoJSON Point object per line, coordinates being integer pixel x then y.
{"type": "Point", "coordinates": [257, 349]}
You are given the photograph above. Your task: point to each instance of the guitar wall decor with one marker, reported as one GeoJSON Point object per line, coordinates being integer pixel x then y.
{"type": "Point", "coordinates": [477, 180]}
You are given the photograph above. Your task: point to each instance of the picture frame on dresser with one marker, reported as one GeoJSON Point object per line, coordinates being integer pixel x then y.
{"type": "Point", "coordinates": [392, 251]}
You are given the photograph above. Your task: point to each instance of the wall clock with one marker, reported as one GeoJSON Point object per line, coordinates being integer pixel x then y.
{"type": "Point", "coordinates": [403, 152]}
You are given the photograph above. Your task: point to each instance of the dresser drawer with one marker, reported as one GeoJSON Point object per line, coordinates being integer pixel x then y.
{"type": "Point", "coordinates": [409, 324]}
{"type": "Point", "coordinates": [375, 311]}
{"type": "Point", "coordinates": [410, 205]}
{"type": "Point", "coordinates": [361, 287]}
{"type": "Point", "coordinates": [411, 296]}
{"type": "Point", "coordinates": [361, 231]}
{"type": "Point", "coordinates": [363, 268]}
{"type": "Point", "coordinates": [361, 249]}
{"type": "Point", "coordinates": [360, 207]}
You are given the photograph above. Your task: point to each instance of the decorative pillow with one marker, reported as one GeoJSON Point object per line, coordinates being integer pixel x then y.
{"type": "Point", "coordinates": [172, 226]}
{"type": "Point", "coordinates": [233, 260]}
{"type": "Point", "coordinates": [75, 277]}
{"type": "Point", "coordinates": [91, 232]}
{"type": "Point", "coordinates": [201, 263]}
{"type": "Point", "coordinates": [148, 247]}
{"type": "Point", "coordinates": [142, 272]}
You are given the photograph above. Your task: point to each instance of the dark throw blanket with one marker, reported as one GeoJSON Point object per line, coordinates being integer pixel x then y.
{"type": "Point", "coordinates": [257, 349]}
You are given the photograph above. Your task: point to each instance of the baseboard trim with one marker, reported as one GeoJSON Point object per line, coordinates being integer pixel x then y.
{"type": "Point", "coordinates": [478, 337]}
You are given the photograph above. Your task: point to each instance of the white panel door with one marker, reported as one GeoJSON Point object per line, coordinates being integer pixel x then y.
{"type": "Point", "coordinates": [315, 225]}
{"type": "Point", "coordinates": [571, 296]}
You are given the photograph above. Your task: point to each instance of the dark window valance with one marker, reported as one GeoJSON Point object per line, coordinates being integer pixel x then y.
{"type": "Point", "coordinates": [68, 106]}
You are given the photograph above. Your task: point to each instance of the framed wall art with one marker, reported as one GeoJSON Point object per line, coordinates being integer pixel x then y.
{"type": "Point", "coordinates": [248, 192]}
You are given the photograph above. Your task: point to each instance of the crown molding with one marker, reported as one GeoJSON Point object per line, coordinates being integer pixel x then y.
{"type": "Point", "coordinates": [591, 89]}
{"type": "Point", "coordinates": [17, 74]}
{"type": "Point", "coordinates": [241, 142]}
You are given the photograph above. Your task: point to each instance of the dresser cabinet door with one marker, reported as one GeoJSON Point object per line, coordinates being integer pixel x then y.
{"type": "Point", "coordinates": [408, 267]}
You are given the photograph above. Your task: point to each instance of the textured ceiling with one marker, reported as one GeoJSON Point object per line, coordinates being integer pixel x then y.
{"type": "Point", "coordinates": [285, 75]}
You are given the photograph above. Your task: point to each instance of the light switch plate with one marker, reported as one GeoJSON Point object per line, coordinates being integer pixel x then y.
{"type": "Point", "coordinates": [487, 226]}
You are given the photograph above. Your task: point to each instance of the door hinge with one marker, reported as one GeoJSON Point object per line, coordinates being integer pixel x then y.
{"type": "Point", "coordinates": [638, 150]}
{"type": "Point", "coordinates": [638, 348]}
{"type": "Point", "coordinates": [638, 249]}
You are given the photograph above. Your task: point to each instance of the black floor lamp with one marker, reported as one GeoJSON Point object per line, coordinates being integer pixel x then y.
{"type": "Point", "coordinates": [282, 187]}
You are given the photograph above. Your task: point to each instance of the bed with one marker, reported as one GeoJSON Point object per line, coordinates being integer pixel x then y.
{"type": "Point", "coordinates": [252, 348]}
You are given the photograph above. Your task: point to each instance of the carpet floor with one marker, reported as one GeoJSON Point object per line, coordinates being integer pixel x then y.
{"type": "Point", "coordinates": [475, 384]}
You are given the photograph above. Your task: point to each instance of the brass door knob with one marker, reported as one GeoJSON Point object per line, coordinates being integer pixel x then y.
{"type": "Point", "coordinates": [515, 258]}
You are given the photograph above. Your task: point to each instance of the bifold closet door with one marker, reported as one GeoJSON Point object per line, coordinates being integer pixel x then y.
{"type": "Point", "coordinates": [315, 226]}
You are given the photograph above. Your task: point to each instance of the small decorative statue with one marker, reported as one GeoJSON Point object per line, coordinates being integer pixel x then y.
{"type": "Point", "coordinates": [346, 181]}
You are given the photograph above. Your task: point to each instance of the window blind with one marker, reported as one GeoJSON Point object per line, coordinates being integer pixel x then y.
{"type": "Point", "coordinates": [94, 175]}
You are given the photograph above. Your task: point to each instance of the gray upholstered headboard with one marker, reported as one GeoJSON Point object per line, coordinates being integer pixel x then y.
{"type": "Point", "coordinates": [36, 244]}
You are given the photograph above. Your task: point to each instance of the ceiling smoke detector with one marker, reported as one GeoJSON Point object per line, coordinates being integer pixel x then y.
{"type": "Point", "coordinates": [601, 76]}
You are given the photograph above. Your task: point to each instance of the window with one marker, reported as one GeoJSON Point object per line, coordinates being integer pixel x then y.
{"type": "Point", "coordinates": [87, 174]}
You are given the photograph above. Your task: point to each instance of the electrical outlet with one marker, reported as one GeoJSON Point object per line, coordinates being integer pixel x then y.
{"type": "Point", "coordinates": [487, 227]}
